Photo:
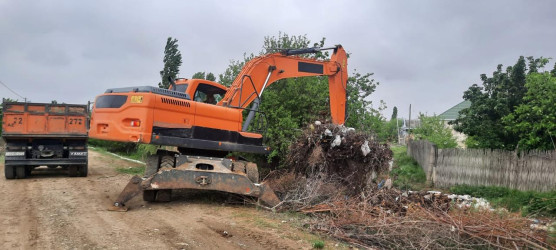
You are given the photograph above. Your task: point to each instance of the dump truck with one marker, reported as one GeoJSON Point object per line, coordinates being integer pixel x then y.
{"type": "Point", "coordinates": [40, 134]}
{"type": "Point", "coordinates": [204, 122]}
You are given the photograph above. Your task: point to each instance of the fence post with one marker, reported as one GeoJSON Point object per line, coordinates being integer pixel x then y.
{"type": "Point", "coordinates": [431, 164]}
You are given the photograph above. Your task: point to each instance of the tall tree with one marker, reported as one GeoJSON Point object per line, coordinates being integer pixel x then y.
{"type": "Point", "coordinates": [498, 97]}
{"type": "Point", "coordinates": [202, 75]}
{"type": "Point", "coordinates": [534, 121]}
{"type": "Point", "coordinates": [394, 113]}
{"type": "Point", "coordinates": [198, 75]}
{"type": "Point", "coordinates": [172, 62]}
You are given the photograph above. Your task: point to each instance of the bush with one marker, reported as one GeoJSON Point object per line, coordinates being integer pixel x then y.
{"type": "Point", "coordinates": [528, 202]}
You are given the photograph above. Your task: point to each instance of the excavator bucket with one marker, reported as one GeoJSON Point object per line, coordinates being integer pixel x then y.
{"type": "Point", "coordinates": [132, 189]}
{"type": "Point", "coordinates": [196, 173]}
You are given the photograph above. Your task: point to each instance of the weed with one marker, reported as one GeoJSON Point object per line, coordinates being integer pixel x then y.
{"type": "Point", "coordinates": [318, 244]}
{"type": "Point", "coordinates": [407, 172]}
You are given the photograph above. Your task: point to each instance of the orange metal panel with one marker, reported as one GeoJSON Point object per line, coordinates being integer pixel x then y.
{"type": "Point", "coordinates": [56, 124]}
{"type": "Point", "coordinates": [113, 123]}
{"type": "Point", "coordinates": [13, 123]}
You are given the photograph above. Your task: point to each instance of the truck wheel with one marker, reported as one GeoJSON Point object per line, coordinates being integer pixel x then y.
{"type": "Point", "coordinates": [28, 170]}
{"type": "Point", "coordinates": [9, 172]}
{"type": "Point", "coordinates": [20, 172]}
{"type": "Point", "coordinates": [167, 161]}
{"type": "Point", "coordinates": [83, 171]}
{"type": "Point", "coordinates": [252, 172]}
{"type": "Point", "coordinates": [72, 171]}
{"type": "Point", "coordinates": [164, 195]}
{"type": "Point", "coordinates": [149, 195]}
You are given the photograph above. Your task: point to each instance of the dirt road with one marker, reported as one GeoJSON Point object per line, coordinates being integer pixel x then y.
{"type": "Point", "coordinates": [50, 210]}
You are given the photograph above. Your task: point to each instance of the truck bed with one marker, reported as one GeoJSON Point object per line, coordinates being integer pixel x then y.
{"type": "Point", "coordinates": [41, 120]}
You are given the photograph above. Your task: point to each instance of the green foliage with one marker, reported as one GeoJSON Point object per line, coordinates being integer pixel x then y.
{"type": "Point", "coordinates": [230, 74]}
{"type": "Point", "coordinates": [203, 75]}
{"type": "Point", "coordinates": [387, 130]}
{"type": "Point", "coordinates": [498, 97]}
{"type": "Point", "coordinates": [528, 202]}
{"type": "Point", "coordinates": [172, 62]}
{"type": "Point", "coordinates": [318, 244]}
{"type": "Point", "coordinates": [535, 119]}
{"type": "Point", "coordinates": [433, 129]}
{"type": "Point", "coordinates": [407, 173]}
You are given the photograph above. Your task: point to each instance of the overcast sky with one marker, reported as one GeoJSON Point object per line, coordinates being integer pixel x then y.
{"type": "Point", "coordinates": [424, 53]}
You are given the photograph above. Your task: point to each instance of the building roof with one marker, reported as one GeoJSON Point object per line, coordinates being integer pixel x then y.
{"type": "Point", "coordinates": [453, 113]}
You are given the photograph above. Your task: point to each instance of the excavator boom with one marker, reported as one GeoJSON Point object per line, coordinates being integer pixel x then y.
{"type": "Point", "coordinates": [262, 71]}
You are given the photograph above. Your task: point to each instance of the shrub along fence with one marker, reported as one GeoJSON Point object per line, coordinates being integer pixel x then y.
{"type": "Point", "coordinates": [526, 170]}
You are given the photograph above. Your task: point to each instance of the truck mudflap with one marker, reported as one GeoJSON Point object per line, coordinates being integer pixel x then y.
{"type": "Point", "coordinates": [197, 173]}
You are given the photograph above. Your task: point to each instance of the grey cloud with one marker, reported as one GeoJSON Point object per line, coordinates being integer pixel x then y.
{"type": "Point", "coordinates": [423, 52]}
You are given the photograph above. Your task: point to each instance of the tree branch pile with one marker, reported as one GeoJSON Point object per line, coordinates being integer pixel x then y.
{"type": "Point", "coordinates": [351, 157]}
{"type": "Point", "coordinates": [428, 225]}
{"type": "Point", "coordinates": [328, 176]}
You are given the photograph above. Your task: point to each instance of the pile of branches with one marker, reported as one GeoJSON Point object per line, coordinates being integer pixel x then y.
{"type": "Point", "coordinates": [422, 225]}
{"type": "Point", "coordinates": [328, 176]}
{"type": "Point", "coordinates": [351, 157]}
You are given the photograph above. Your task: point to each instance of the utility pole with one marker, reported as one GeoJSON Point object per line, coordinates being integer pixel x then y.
{"type": "Point", "coordinates": [409, 125]}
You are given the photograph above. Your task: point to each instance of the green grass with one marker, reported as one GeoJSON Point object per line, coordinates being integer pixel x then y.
{"type": "Point", "coordinates": [406, 172]}
{"type": "Point", "coordinates": [131, 170]}
{"type": "Point", "coordinates": [127, 149]}
{"type": "Point", "coordinates": [526, 202]}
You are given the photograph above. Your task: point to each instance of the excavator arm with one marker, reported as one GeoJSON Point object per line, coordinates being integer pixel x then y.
{"type": "Point", "coordinates": [262, 71]}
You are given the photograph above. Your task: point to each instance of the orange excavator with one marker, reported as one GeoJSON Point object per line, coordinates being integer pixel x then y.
{"type": "Point", "coordinates": [204, 121]}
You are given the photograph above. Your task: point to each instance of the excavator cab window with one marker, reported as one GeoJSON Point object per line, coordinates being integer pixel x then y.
{"type": "Point", "coordinates": [208, 94]}
{"type": "Point", "coordinates": [179, 87]}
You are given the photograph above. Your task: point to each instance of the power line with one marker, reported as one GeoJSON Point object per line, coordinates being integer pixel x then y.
{"type": "Point", "coordinates": [12, 90]}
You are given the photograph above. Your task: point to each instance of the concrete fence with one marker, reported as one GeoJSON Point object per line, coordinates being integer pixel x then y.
{"type": "Point", "coordinates": [531, 170]}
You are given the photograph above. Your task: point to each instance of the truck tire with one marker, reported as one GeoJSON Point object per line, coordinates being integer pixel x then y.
{"type": "Point", "coordinates": [28, 170]}
{"type": "Point", "coordinates": [149, 195]}
{"type": "Point", "coordinates": [83, 171]}
{"type": "Point", "coordinates": [20, 172]}
{"type": "Point", "coordinates": [72, 171]}
{"type": "Point", "coordinates": [9, 172]}
{"type": "Point", "coordinates": [252, 172]}
{"type": "Point", "coordinates": [167, 161]}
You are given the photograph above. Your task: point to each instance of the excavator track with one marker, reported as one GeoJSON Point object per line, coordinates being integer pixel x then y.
{"type": "Point", "coordinates": [177, 171]}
